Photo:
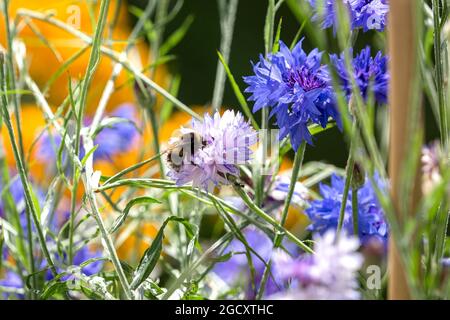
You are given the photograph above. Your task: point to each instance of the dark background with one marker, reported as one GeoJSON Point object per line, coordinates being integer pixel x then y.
{"type": "Point", "coordinates": [197, 59]}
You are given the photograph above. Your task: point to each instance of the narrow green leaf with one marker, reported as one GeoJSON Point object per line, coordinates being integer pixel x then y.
{"type": "Point", "coordinates": [86, 157]}
{"type": "Point", "coordinates": [276, 43]}
{"type": "Point", "coordinates": [176, 37]}
{"type": "Point", "coordinates": [240, 97]}
{"type": "Point", "coordinates": [151, 255]}
{"type": "Point", "coordinates": [121, 219]}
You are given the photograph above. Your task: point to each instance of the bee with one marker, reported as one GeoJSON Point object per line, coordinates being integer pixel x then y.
{"type": "Point", "coordinates": [183, 149]}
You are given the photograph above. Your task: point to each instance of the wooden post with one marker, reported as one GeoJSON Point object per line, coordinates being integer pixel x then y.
{"type": "Point", "coordinates": [403, 42]}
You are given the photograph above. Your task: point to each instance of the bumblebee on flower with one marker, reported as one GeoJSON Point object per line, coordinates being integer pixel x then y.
{"type": "Point", "coordinates": [209, 153]}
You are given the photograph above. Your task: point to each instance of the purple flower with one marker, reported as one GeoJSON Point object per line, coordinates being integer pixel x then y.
{"type": "Point", "coordinates": [297, 89]}
{"type": "Point", "coordinates": [119, 137]}
{"type": "Point", "coordinates": [330, 273]}
{"type": "Point", "coordinates": [364, 14]}
{"type": "Point", "coordinates": [280, 190]}
{"type": "Point", "coordinates": [368, 72]}
{"type": "Point", "coordinates": [236, 270]}
{"type": "Point", "coordinates": [82, 255]}
{"type": "Point", "coordinates": [111, 140]}
{"type": "Point", "coordinates": [324, 213]}
{"type": "Point", "coordinates": [431, 162]}
{"type": "Point", "coordinates": [209, 153]}
{"type": "Point", "coordinates": [13, 282]}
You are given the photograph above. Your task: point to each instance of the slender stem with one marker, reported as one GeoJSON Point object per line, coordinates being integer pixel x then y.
{"type": "Point", "coordinates": [156, 146]}
{"type": "Point", "coordinates": [22, 172]}
{"type": "Point", "coordinates": [113, 55]}
{"type": "Point", "coordinates": [223, 240]}
{"type": "Point", "coordinates": [92, 65]}
{"type": "Point", "coordinates": [107, 241]}
{"type": "Point", "coordinates": [252, 206]}
{"type": "Point", "coordinates": [355, 211]}
{"type": "Point", "coordinates": [443, 117]}
{"type": "Point", "coordinates": [131, 169]}
{"type": "Point", "coordinates": [348, 180]}
{"type": "Point", "coordinates": [227, 28]}
{"type": "Point", "coordinates": [12, 78]}
{"type": "Point", "coordinates": [298, 161]}
{"type": "Point", "coordinates": [17, 115]}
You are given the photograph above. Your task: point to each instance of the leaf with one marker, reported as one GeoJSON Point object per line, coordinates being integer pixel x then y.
{"type": "Point", "coordinates": [49, 203]}
{"type": "Point", "coordinates": [237, 92]}
{"type": "Point", "coordinates": [268, 26]}
{"type": "Point", "coordinates": [276, 43]}
{"type": "Point", "coordinates": [151, 255]}
{"type": "Point", "coordinates": [121, 219]}
{"type": "Point", "coordinates": [10, 92]}
{"type": "Point", "coordinates": [177, 36]}
{"type": "Point", "coordinates": [86, 157]}
{"type": "Point", "coordinates": [167, 107]}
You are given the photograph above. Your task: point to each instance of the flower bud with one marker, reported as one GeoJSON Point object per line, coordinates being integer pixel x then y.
{"type": "Point", "coordinates": [144, 95]}
{"type": "Point", "coordinates": [358, 177]}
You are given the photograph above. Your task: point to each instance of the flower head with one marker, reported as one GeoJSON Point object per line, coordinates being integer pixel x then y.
{"type": "Point", "coordinates": [111, 140]}
{"type": "Point", "coordinates": [331, 273]}
{"type": "Point", "coordinates": [119, 137]}
{"type": "Point", "coordinates": [370, 73]}
{"type": "Point", "coordinates": [280, 190]}
{"type": "Point", "coordinates": [208, 154]}
{"type": "Point", "coordinates": [14, 284]}
{"type": "Point", "coordinates": [324, 213]}
{"type": "Point", "coordinates": [431, 158]}
{"type": "Point", "coordinates": [236, 270]}
{"type": "Point", "coordinates": [364, 14]}
{"type": "Point", "coordinates": [297, 88]}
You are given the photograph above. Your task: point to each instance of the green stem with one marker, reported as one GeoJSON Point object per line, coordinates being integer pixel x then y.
{"type": "Point", "coordinates": [115, 56]}
{"type": "Point", "coordinates": [107, 240]}
{"type": "Point", "coordinates": [130, 169]}
{"type": "Point", "coordinates": [348, 180]}
{"type": "Point", "coordinates": [92, 65]}
{"type": "Point", "coordinates": [156, 146]}
{"type": "Point", "coordinates": [355, 211]}
{"type": "Point", "coordinates": [298, 161]}
{"type": "Point", "coordinates": [252, 206]}
{"type": "Point", "coordinates": [21, 170]}
{"type": "Point", "coordinates": [443, 118]}
{"type": "Point", "coordinates": [17, 115]}
{"type": "Point", "coordinates": [227, 26]}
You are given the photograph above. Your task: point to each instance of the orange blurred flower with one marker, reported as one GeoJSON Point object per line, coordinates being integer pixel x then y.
{"type": "Point", "coordinates": [45, 59]}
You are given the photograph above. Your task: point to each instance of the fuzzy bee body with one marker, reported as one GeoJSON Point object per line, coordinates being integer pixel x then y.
{"type": "Point", "coordinates": [184, 149]}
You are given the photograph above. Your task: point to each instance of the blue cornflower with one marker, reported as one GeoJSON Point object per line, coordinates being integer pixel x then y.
{"type": "Point", "coordinates": [17, 193]}
{"type": "Point", "coordinates": [111, 140]}
{"type": "Point", "coordinates": [324, 213]}
{"type": "Point", "coordinates": [297, 88]}
{"type": "Point", "coordinates": [13, 282]}
{"type": "Point", "coordinates": [369, 73]}
{"type": "Point", "coordinates": [364, 14]}
{"type": "Point", "coordinates": [236, 270]}
{"type": "Point", "coordinates": [119, 137]}
{"type": "Point", "coordinates": [82, 255]}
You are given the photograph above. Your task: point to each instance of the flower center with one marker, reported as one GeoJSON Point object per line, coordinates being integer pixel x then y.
{"type": "Point", "coordinates": [307, 80]}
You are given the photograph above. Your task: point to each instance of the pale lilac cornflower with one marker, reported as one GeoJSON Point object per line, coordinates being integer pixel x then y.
{"type": "Point", "coordinates": [280, 190]}
{"type": "Point", "coordinates": [363, 14]}
{"type": "Point", "coordinates": [209, 153]}
{"type": "Point", "coordinates": [431, 173]}
{"type": "Point", "coordinates": [329, 274]}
